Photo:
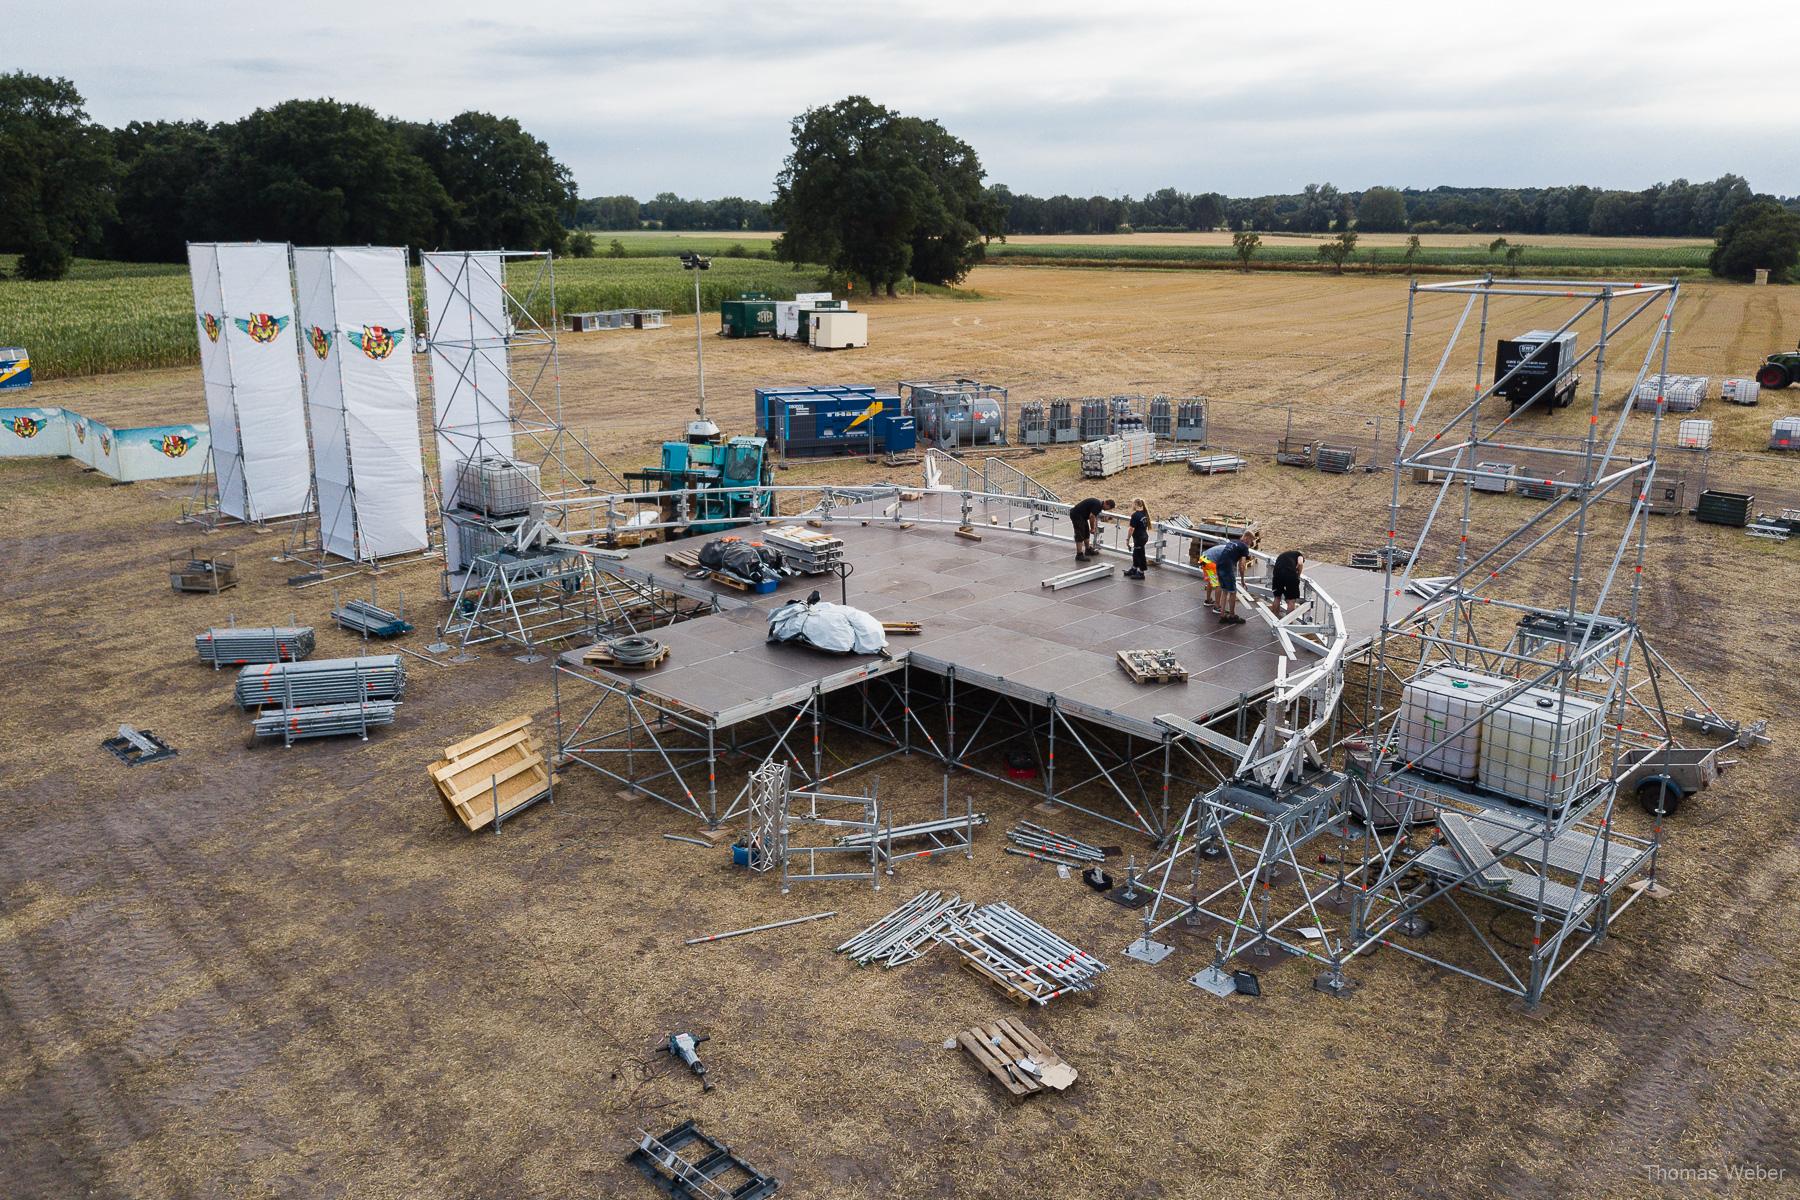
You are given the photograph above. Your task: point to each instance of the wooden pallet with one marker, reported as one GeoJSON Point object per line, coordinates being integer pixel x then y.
{"type": "Point", "coordinates": [683, 558]}
{"type": "Point", "coordinates": [501, 768]}
{"type": "Point", "coordinates": [1142, 667]}
{"type": "Point", "coordinates": [902, 627]}
{"type": "Point", "coordinates": [1000, 1044]}
{"type": "Point", "coordinates": [732, 581]}
{"type": "Point", "coordinates": [602, 656]}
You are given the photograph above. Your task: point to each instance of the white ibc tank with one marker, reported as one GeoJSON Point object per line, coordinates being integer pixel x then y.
{"type": "Point", "coordinates": [1437, 705]}
{"type": "Point", "coordinates": [1527, 753]}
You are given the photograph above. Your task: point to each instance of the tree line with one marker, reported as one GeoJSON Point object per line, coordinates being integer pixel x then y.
{"type": "Point", "coordinates": [668, 211]}
{"type": "Point", "coordinates": [313, 172]}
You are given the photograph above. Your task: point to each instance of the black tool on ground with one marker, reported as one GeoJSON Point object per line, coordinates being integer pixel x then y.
{"type": "Point", "coordinates": [1097, 879]}
{"type": "Point", "coordinates": [1247, 983]}
{"type": "Point", "coordinates": [706, 1171]}
{"type": "Point", "coordinates": [683, 1046]}
{"type": "Point", "coordinates": [135, 747]}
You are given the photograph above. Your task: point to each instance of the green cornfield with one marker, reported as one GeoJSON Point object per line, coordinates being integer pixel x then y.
{"type": "Point", "coordinates": [109, 317]}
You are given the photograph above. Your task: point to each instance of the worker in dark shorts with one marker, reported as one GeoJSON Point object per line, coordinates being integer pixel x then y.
{"type": "Point", "coordinates": [1140, 537]}
{"type": "Point", "coordinates": [1224, 559]}
{"type": "Point", "coordinates": [1085, 517]}
{"type": "Point", "coordinates": [1285, 581]}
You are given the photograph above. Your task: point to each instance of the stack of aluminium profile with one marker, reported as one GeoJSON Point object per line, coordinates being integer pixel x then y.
{"type": "Point", "coordinates": [1110, 455]}
{"type": "Point", "coordinates": [328, 681]}
{"type": "Point", "coordinates": [1021, 956]}
{"type": "Point", "coordinates": [1035, 841]}
{"type": "Point", "coordinates": [236, 645]}
{"type": "Point", "coordinates": [907, 932]}
{"type": "Point", "coordinates": [365, 617]}
{"type": "Point", "coordinates": [807, 550]}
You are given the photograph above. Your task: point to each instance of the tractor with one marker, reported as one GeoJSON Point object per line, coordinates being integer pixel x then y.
{"type": "Point", "coordinates": [1779, 369]}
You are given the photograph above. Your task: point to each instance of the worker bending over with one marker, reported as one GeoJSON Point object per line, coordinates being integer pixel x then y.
{"type": "Point", "coordinates": [1220, 565]}
{"type": "Point", "coordinates": [1285, 581]}
{"type": "Point", "coordinates": [1085, 517]}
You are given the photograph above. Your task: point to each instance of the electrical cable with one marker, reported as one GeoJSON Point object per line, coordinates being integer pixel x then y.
{"type": "Point", "coordinates": [634, 650]}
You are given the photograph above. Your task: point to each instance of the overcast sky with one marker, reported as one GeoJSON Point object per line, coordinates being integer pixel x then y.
{"type": "Point", "coordinates": [1083, 97]}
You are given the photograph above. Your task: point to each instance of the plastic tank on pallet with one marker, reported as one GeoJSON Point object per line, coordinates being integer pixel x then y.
{"type": "Point", "coordinates": [1541, 748]}
{"type": "Point", "coordinates": [1785, 434]}
{"type": "Point", "coordinates": [1694, 434]}
{"type": "Point", "coordinates": [1449, 701]}
{"type": "Point", "coordinates": [497, 486]}
{"type": "Point", "coordinates": [1740, 391]}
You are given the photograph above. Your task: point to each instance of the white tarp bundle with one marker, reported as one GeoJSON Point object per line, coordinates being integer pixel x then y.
{"type": "Point", "coordinates": [368, 464]}
{"type": "Point", "coordinates": [244, 308]}
{"type": "Point", "coordinates": [467, 324]}
{"type": "Point", "coordinates": [826, 626]}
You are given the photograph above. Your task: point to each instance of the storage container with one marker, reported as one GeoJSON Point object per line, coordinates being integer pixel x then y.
{"type": "Point", "coordinates": [1486, 482]}
{"type": "Point", "coordinates": [1436, 706]}
{"type": "Point", "coordinates": [1694, 435]}
{"type": "Point", "coordinates": [497, 486]}
{"type": "Point", "coordinates": [839, 329]}
{"type": "Point", "coordinates": [1724, 508]}
{"type": "Point", "coordinates": [752, 314]}
{"type": "Point", "coordinates": [1740, 391]}
{"type": "Point", "coordinates": [1541, 748]}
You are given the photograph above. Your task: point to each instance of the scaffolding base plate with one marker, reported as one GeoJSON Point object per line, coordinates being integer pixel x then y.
{"type": "Point", "coordinates": [1216, 981]}
{"type": "Point", "coordinates": [1126, 896]}
{"type": "Point", "coordinates": [1148, 951]}
{"type": "Point", "coordinates": [1337, 987]}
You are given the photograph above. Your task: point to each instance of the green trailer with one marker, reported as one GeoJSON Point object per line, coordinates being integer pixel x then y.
{"type": "Point", "coordinates": [752, 314]}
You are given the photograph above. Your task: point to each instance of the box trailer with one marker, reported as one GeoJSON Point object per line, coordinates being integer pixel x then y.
{"type": "Point", "coordinates": [1538, 366]}
{"type": "Point", "coordinates": [752, 314]}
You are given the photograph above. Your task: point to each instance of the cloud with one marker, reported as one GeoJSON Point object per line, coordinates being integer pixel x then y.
{"type": "Point", "coordinates": [1060, 95]}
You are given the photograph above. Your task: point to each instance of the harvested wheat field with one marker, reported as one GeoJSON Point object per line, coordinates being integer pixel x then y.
{"type": "Point", "coordinates": [255, 971]}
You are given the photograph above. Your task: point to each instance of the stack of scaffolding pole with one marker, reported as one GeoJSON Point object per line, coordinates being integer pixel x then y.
{"type": "Point", "coordinates": [1048, 841]}
{"type": "Point", "coordinates": [907, 932]}
{"type": "Point", "coordinates": [1021, 956]}
{"type": "Point", "coordinates": [328, 681]}
{"type": "Point", "coordinates": [323, 720]}
{"type": "Point", "coordinates": [236, 645]}
{"type": "Point", "coordinates": [365, 617]}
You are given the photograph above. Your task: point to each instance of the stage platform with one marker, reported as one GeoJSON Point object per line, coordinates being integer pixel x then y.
{"type": "Point", "coordinates": [986, 619]}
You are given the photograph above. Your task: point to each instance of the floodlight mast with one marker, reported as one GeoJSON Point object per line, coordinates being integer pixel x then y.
{"type": "Point", "coordinates": [700, 429]}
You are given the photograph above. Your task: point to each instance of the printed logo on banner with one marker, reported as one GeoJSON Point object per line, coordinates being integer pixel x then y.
{"type": "Point", "coordinates": [377, 341]}
{"type": "Point", "coordinates": [174, 445]}
{"type": "Point", "coordinates": [27, 427]}
{"type": "Point", "coordinates": [210, 324]}
{"type": "Point", "coordinates": [105, 444]}
{"type": "Point", "coordinates": [81, 431]}
{"type": "Point", "coordinates": [319, 340]}
{"type": "Point", "coordinates": [262, 327]}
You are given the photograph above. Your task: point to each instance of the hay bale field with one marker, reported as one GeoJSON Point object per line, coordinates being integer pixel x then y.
{"type": "Point", "coordinates": [250, 971]}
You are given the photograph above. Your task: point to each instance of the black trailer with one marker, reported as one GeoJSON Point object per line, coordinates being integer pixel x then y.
{"type": "Point", "coordinates": [1545, 362]}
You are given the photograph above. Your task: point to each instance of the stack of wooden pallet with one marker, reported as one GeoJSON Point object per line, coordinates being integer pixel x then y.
{"type": "Point", "coordinates": [492, 775]}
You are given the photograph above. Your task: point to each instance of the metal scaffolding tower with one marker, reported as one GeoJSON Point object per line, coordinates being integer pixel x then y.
{"type": "Point", "coordinates": [1527, 826]}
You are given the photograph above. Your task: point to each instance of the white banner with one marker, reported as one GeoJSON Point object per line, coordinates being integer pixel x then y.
{"type": "Point", "coordinates": [467, 324]}
{"type": "Point", "coordinates": [258, 295]}
{"type": "Point", "coordinates": [368, 463]}
{"type": "Point", "coordinates": [158, 452]}
{"type": "Point", "coordinates": [215, 376]}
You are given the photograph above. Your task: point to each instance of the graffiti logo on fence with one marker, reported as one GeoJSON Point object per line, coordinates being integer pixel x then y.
{"type": "Point", "coordinates": [27, 427]}
{"type": "Point", "coordinates": [320, 340]}
{"type": "Point", "coordinates": [174, 445]}
{"type": "Point", "coordinates": [377, 341]}
{"type": "Point", "coordinates": [210, 324]}
{"type": "Point", "coordinates": [262, 327]}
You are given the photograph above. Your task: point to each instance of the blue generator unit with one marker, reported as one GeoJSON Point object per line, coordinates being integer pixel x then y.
{"type": "Point", "coordinates": [15, 367]}
{"type": "Point", "coordinates": [848, 419]}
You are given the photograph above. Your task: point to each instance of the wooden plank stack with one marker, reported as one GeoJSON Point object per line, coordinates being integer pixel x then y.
{"type": "Point", "coordinates": [493, 774]}
{"type": "Point", "coordinates": [1001, 1046]}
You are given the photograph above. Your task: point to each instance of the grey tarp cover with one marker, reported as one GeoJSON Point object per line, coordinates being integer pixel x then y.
{"type": "Point", "coordinates": [826, 626]}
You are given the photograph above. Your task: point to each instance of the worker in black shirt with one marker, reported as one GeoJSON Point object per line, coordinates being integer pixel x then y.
{"type": "Point", "coordinates": [1224, 559]}
{"type": "Point", "coordinates": [1085, 517]}
{"type": "Point", "coordinates": [1285, 581]}
{"type": "Point", "coordinates": [1140, 536]}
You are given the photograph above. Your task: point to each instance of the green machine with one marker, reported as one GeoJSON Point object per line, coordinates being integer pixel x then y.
{"type": "Point", "coordinates": [752, 314]}
{"type": "Point", "coordinates": [725, 474]}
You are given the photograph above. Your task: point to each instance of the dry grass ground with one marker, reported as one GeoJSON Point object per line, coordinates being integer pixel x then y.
{"type": "Point", "coordinates": [253, 971]}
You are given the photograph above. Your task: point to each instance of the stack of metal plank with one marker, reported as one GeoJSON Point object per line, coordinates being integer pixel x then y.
{"type": "Point", "coordinates": [236, 645]}
{"type": "Point", "coordinates": [1020, 956]}
{"type": "Point", "coordinates": [1035, 841]}
{"type": "Point", "coordinates": [324, 720]}
{"type": "Point", "coordinates": [328, 681]}
{"type": "Point", "coordinates": [366, 617]}
{"type": "Point", "coordinates": [1335, 460]}
{"type": "Point", "coordinates": [1681, 393]}
{"type": "Point", "coordinates": [1110, 455]}
{"type": "Point", "coordinates": [806, 550]}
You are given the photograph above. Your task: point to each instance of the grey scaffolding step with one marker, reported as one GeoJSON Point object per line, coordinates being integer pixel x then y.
{"type": "Point", "coordinates": [1468, 846]}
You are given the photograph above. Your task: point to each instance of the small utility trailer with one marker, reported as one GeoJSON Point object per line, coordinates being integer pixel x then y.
{"type": "Point", "coordinates": [1664, 778]}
